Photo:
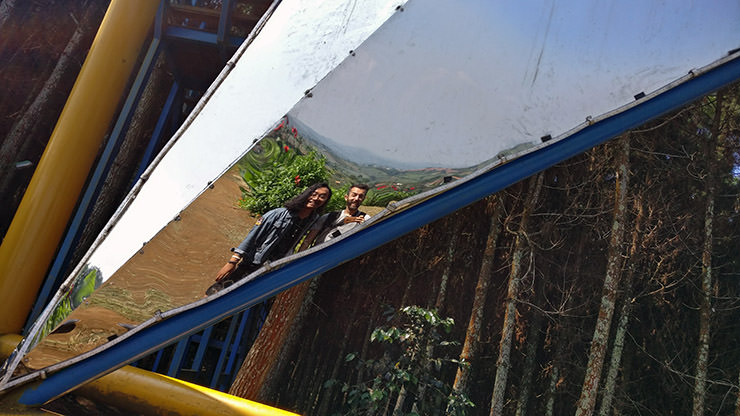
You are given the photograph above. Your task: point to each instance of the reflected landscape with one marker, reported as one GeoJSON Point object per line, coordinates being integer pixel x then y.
{"type": "Point", "coordinates": [180, 263]}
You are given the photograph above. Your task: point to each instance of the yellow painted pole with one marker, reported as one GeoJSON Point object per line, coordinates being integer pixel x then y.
{"type": "Point", "coordinates": [136, 390]}
{"type": "Point", "coordinates": [139, 391]}
{"type": "Point", "coordinates": [39, 223]}
{"type": "Point", "coordinates": [8, 342]}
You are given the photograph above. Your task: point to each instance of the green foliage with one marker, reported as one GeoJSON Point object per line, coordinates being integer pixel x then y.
{"type": "Point", "coordinates": [276, 174]}
{"type": "Point", "coordinates": [60, 313]}
{"type": "Point", "coordinates": [337, 202]}
{"type": "Point", "coordinates": [382, 197]}
{"type": "Point", "coordinates": [81, 289]}
{"type": "Point", "coordinates": [85, 287]}
{"type": "Point", "coordinates": [410, 365]}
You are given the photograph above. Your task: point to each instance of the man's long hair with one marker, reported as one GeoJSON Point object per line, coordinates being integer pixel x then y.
{"type": "Point", "coordinates": [298, 202]}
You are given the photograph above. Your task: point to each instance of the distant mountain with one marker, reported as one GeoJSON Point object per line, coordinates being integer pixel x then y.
{"type": "Point", "coordinates": [354, 164]}
{"type": "Point", "coordinates": [354, 154]}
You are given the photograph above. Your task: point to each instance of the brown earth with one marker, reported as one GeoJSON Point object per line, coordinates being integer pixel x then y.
{"type": "Point", "coordinates": [173, 269]}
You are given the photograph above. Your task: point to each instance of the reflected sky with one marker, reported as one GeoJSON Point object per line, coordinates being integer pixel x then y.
{"type": "Point", "coordinates": [451, 86]}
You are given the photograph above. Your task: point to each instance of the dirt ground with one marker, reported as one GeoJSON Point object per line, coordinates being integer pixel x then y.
{"type": "Point", "coordinates": [173, 269]}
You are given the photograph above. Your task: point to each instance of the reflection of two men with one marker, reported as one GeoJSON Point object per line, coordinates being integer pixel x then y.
{"type": "Point", "coordinates": [279, 230]}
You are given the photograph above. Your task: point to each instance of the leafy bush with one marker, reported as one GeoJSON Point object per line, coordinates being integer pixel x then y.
{"type": "Point", "coordinates": [337, 202]}
{"type": "Point", "coordinates": [277, 174]}
{"type": "Point", "coordinates": [409, 368]}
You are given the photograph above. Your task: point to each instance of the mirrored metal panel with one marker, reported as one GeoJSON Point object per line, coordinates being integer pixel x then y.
{"type": "Point", "coordinates": [173, 269]}
{"type": "Point", "coordinates": [300, 43]}
{"type": "Point", "coordinates": [438, 91]}
{"type": "Point", "coordinates": [455, 85]}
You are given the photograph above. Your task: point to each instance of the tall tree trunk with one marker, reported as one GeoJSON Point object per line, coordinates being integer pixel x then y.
{"type": "Point", "coordinates": [623, 323]}
{"type": "Point", "coordinates": [472, 335]}
{"type": "Point", "coordinates": [557, 330]}
{"type": "Point", "coordinates": [610, 381]}
{"type": "Point", "coordinates": [303, 389]}
{"type": "Point", "coordinates": [587, 401]}
{"type": "Point", "coordinates": [19, 137]}
{"type": "Point", "coordinates": [705, 308]}
{"type": "Point", "coordinates": [552, 387]}
{"type": "Point", "coordinates": [441, 297]}
{"type": "Point", "coordinates": [503, 363]}
{"type": "Point", "coordinates": [530, 359]}
{"type": "Point", "coordinates": [449, 260]}
{"type": "Point", "coordinates": [400, 400]}
{"type": "Point", "coordinates": [403, 393]}
{"type": "Point", "coordinates": [737, 404]}
{"type": "Point", "coordinates": [260, 372]}
{"type": "Point", "coordinates": [328, 393]}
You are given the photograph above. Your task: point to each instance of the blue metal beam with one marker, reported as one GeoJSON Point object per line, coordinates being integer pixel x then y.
{"type": "Point", "coordinates": [199, 36]}
{"type": "Point", "coordinates": [176, 359]}
{"type": "Point", "coordinates": [159, 130]}
{"type": "Point", "coordinates": [188, 321]}
{"type": "Point", "coordinates": [200, 353]}
{"type": "Point", "coordinates": [224, 21]}
{"type": "Point", "coordinates": [226, 346]}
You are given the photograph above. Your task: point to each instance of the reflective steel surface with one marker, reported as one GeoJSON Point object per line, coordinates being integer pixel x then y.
{"type": "Point", "coordinates": [439, 90]}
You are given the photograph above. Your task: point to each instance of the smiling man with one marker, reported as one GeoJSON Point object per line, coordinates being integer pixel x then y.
{"type": "Point", "coordinates": [273, 236]}
{"type": "Point", "coordinates": [334, 224]}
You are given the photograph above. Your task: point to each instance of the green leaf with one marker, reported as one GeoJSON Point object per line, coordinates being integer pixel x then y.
{"type": "Point", "coordinates": [377, 395]}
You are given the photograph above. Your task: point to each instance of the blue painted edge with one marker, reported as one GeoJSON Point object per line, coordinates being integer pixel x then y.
{"type": "Point", "coordinates": [197, 36]}
{"type": "Point", "coordinates": [203, 341]}
{"type": "Point", "coordinates": [223, 355]}
{"type": "Point", "coordinates": [223, 22]}
{"type": "Point", "coordinates": [189, 321]}
{"type": "Point", "coordinates": [156, 137]}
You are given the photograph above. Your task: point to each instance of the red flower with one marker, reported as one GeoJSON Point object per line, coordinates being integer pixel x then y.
{"type": "Point", "coordinates": [297, 179]}
{"type": "Point", "coordinates": [412, 188]}
{"type": "Point", "coordinates": [286, 148]}
{"type": "Point", "coordinates": [294, 131]}
{"type": "Point", "coordinates": [380, 187]}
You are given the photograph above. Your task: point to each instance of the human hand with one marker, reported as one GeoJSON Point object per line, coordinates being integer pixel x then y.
{"type": "Point", "coordinates": [358, 219]}
{"type": "Point", "coordinates": [225, 271]}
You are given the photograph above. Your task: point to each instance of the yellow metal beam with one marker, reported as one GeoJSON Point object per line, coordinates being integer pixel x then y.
{"type": "Point", "coordinates": [8, 343]}
{"type": "Point", "coordinates": [39, 223]}
{"type": "Point", "coordinates": [136, 390]}
{"type": "Point", "coordinates": [139, 391]}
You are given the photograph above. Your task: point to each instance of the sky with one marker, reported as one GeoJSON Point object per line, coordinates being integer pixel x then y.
{"type": "Point", "coordinates": [452, 84]}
